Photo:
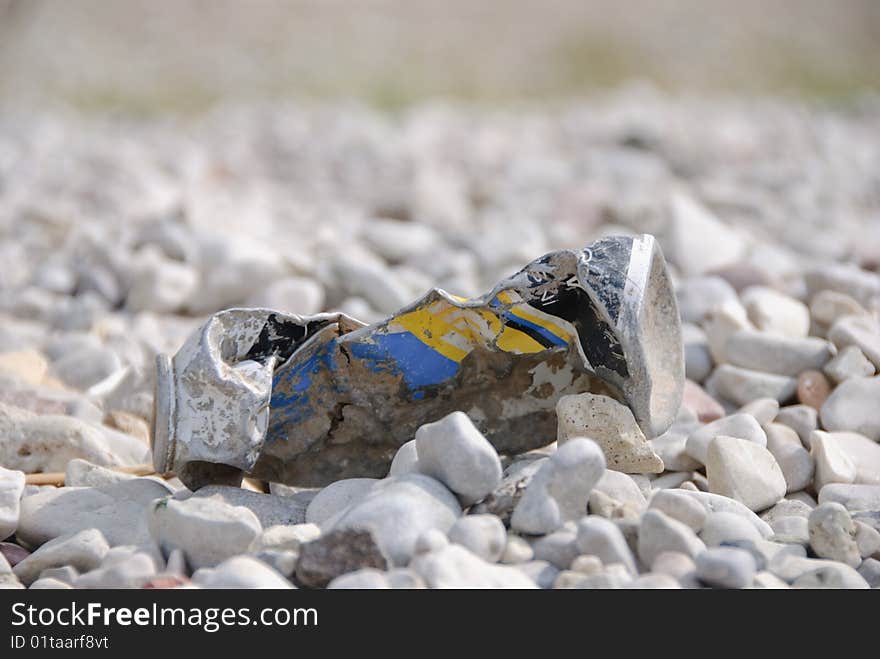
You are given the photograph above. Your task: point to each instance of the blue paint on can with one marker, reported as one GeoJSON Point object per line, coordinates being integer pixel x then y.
{"type": "Point", "coordinates": [403, 353]}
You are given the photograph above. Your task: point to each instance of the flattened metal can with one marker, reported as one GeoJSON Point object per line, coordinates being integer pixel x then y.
{"type": "Point", "coordinates": [308, 400]}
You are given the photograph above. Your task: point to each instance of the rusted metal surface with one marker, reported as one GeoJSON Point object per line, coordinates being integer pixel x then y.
{"type": "Point", "coordinates": [308, 400]}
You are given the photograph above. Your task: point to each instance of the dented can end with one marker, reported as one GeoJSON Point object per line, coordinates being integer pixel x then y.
{"type": "Point", "coordinates": [164, 415]}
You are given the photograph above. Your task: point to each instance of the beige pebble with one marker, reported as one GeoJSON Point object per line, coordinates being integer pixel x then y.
{"type": "Point", "coordinates": [813, 388]}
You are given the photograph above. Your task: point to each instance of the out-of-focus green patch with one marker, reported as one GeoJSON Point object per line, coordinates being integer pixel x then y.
{"type": "Point", "coordinates": [589, 62]}
{"type": "Point", "coordinates": [579, 65]}
{"type": "Point", "coordinates": [180, 99]}
{"type": "Point", "coordinates": [800, 74]}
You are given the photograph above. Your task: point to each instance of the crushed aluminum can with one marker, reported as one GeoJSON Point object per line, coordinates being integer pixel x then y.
{"type": "Point", "coordinates": [309, 400]}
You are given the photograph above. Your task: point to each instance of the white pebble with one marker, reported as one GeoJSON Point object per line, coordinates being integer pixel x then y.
{"type": "Point", "coordinates": [833, 534]}
{"type": "Point", "coordinates": [337, 497]}
{"type": "Point", "coordinates": [833, 465]}
{"type": "Point", "coordinates": [207, 530]}
{"type": "Point", "coordinates": [612, 426]}
{"type": "Point", "coordinates": [741, 425]}
{"type": "Point", "coordinates": [681, 507]}
{"type": "Point", "coordinates": [560, 489]}
{"type": "Point", "coordinates": [83, 550]}
{"type": "Point", "coordinates": [659, 533]}
{"type": "Point", "coordinates": [744, 471]}
{"type": "Point", "coordinates": [849, 363]}
{"type": "Point", "coordinates": [454, 452]}
{"type": "Point", "coordinates": [602, 538]}
{"type": "Point", "coordinates": [853, 406]}
{"type": "Point", "coordinates": [240, 572]}
{"type": "Point", "coordinates": [11, 489]}
{"type": "Point", "coordinates": [772, 311]}
{"type": "Point", "coordinates": [793, 459]}
{"type": "Point", "coordinates": [484, 535]}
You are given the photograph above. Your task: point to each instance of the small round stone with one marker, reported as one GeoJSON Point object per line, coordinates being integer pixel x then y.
{"type": "Point", "coordinates": [813, 389]}
{"type": "Point", "coordinates": [726, 567]}
{"type": "Point", "coordinates": [484, 535]}
{"type": "Point", "coordinates": [833, 534]}
{"type": "Point", "coordinates": [853, 406]}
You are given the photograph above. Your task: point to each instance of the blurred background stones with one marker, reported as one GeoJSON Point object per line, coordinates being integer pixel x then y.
{"type": "Point", "coordinates": [189, 54]}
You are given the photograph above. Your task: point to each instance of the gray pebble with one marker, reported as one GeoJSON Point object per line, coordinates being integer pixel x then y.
{"type": "Point", "coordinates": [681, 507]}
{"type": "Point", "coordinates": [774, 312]}
{"type": "Point", "coordinates": [363, 579]}
{"type": "Point", "coordinates": [860, 331]}
{"type": "Point", "coordinates": [131, 571]}
{"type": "Point", "coordinates": [659, 532]}
{"type": "Point", "coordinates": [287, 537]}
{"type": "Point", "coordinates": [836, 575]}
{"type": "Point", "coordinates": [282, 561]}
{"type": "Point", "coordinates": [117, 510]}
{"type": "Point", "coordinates": [83, 368]}
{"type": "Point", "coordinates": [207, 530]}
{"type": "Point", "coordinates": [11, 489]}
{"type": "Point", "coordinates": [849, 363]}
{"type": "Point", "coordinates": [680, 567]}
{"type": "Point", "coordinates": [769, 580]}
{"type": "Point", "coordinates": [870, 572]}
{"type": "Point", "coordinates": [832, 534]}
{"type": "Point", "coordinates": [793, 459]}
{"type": "Point", "coordinates": [828, 306]}
{"type": "Point", "coordinates": [853, 497]}
{"type": "Point", "coordinates": [455, 567]}
{"type": "Point", "coordinates": [867, 539]}
{"type": "Point", "coordinates": [430, 540]}
{"type": "Point", "coordinates": [726, 567]}
{"type": "Point", "coordinates": [803, 419]}
{"type": "Point", "coordinates": [240, 572]}
{"type": "Point", "coordinates": [516, 550]}
{"type": "Point", "coordinates": [698, 361]}
{"type": "Point", "coordinates": [716, 503]}
{"type": "Point", "coordinates": [66, 573]}
{"type": "Point", "coordinates": [725, 527]}
{"type": "Point", "coordinates": [763, 409]}
{"type": "Point", "coordinates": [741, 386]}
{"type": "Point", "coordinates": [83, 550]}
{"type": "Point", "coordinates": [671, 446]}
{"type": "Point", "coordinates": [336, 497]}
{"type": "Point", "coordinates": [616, 495]}
{"type": "Point", "coordinates": [559, 548]}
{"type": "Point", "coordinates": [697, 295]}
{"type": "Point", "coordinates": [786, 508]}
{"type": "Point", "coordinates": [404, 579]}
{"type": "Point", "coordinates": [833, 465]}
{"type": "Point", "coordinates": [599, 537]}
{"type": "Point", "coordinates": [484, 535]}
{"type": "Point", "coordinates": [843, 278]}
{"type": "Point", "coordinates": [791, 530]}
{"type": "Point", "coordinates": [48, 583]}
{"type": "Point", "coordinates": [46, 443]}
{"type": "Point", "coordinates": [399, 509]}
{"type": "Point", "coordinates": [744, 471]}
{"type": "Point", "coordinates": [270, 509]}
{"type": "Point", "coordinates": [772, 353]}
{"type": "Point", "coordinates": [653, 581]}
{"type": "Point", "coordinates": [542, 573]}
{"type": "Point", "coordinates": [82, 473]}
{"type": "Point", "coordinates": [336, 553]}
{"type": "Point", "coordinates": [406, 460]}
{"type": "Point", "coordinates": [560, 489]}
{"type": "Point", "coordinates": [741, 425]}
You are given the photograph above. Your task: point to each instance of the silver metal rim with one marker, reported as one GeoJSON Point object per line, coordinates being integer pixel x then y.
{"type": "Point", "coordinates": [163, 419]}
